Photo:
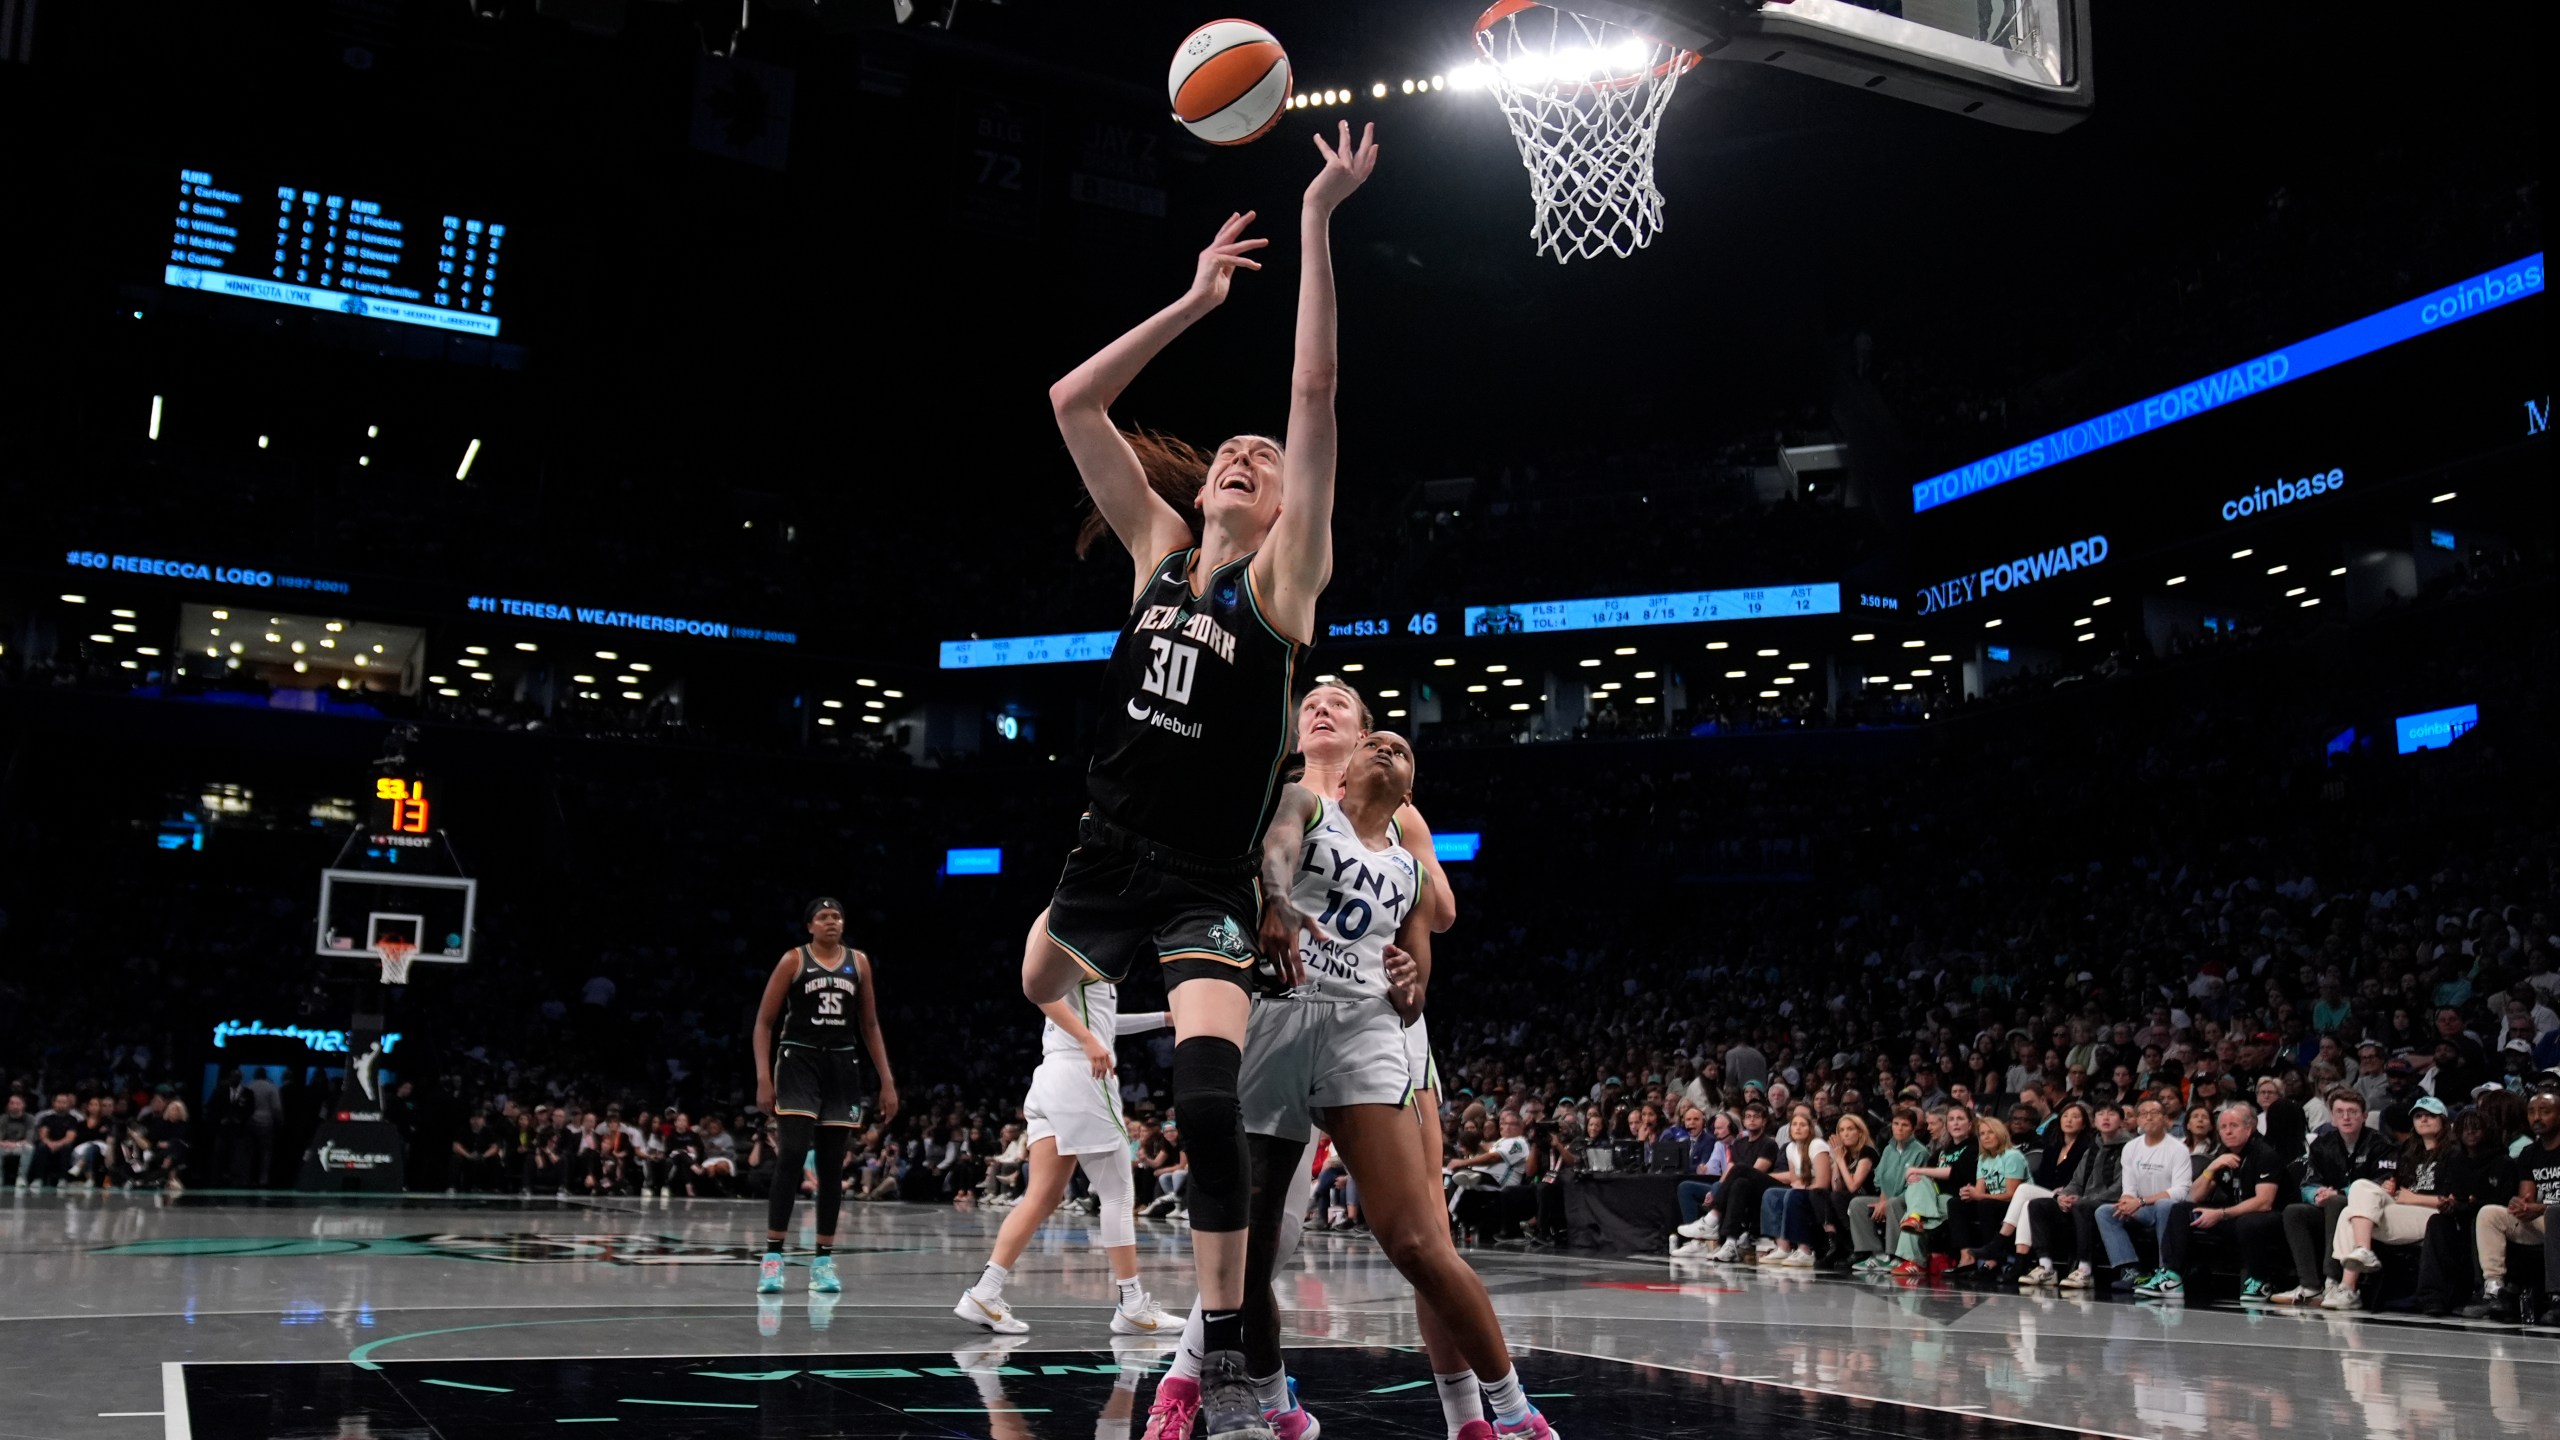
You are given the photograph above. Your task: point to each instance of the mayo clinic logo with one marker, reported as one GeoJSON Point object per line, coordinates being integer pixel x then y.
{"type": "Point", "coordinates": [2010, 574]}
{"type": "Point", "coordinates": [2283, 492]}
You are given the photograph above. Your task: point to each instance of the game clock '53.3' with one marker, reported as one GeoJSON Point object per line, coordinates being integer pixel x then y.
{"type": "Point", "coordinates": [1421, 622]}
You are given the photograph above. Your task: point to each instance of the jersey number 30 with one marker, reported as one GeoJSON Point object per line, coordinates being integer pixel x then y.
{"type": "Point", "coordinates": [1170, 668]}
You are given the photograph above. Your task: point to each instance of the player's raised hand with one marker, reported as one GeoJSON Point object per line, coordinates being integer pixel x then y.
{"type": "Point", "coordinates": [1225, 256]}
{"type": "Point", "coordinates": [1344, 167]}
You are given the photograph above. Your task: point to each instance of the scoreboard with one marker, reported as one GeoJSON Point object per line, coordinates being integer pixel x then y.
{"type": "Point", "coordinates": [285, 239]}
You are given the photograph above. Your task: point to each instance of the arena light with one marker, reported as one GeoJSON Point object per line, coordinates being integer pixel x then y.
{"type": "Point", "coordinates": [1718, 645]}
{"type": "Point", "coordinates": [1799, 664]}
{"type": "Point", "coordinates": [2076, 624]}
{"type": "Point", "coordinates": [1408, 87]}
{"type": "Point", "coordinates": [1522, 705]}
{"type": "Point", "coordinates": [335, 626]}
{"type": "Point", "coordinates": [218, 614]}
{"type": "Point", "coordinates": [1328, 678]}
{"type": "Point", "coordinates": [1644, 699]}
{"type": "Point", "coordinates": [1587, 664]}
{"type": "Point", "coordinates": [301, 667]}
{"type": "Point", "coordinates": [2278, 569]}
{"type": "Point", "coordinates": [262, 442]}
{"type": "Point", "coordinates": [297, 647]}
{"type": "Point", "coordinates": [2337, 571]}
{"type": "Point", "coordinates": [1991, 624]}
{"type": "Point", "coordinates": [450, 694]}
{"type": "Point", "coordinates": [1445, 662]}
{"type": "Point", "coordinates": [274, 639]}
{"type": "Point", "coordinates": [1770, 694]}
{"type": "Point", "coordinates": [1378, 89]}
{"type": "Point", "coordinates": [128, 629]}
{"type": "Point", "coordinates": [1512, 680]}
{"type": "Point", "coordinates": [1923, 670]}
{"type": "Point", "coordinates": [1389, 694]}
{"type": "Point", "coordinates": [874, 705]}
{"type": "Point", "coordinates": [2314, 600]}
{"type": "Point", "coordinates": [1611, 685]}
{"type": "Point", "coordinates": [895, 694]}
{"type": "Point", "coordinates": [238, 649]}
{"type": "Point", "coordinates": [1480, 689]}
{"type": "Point", "coordinates": [832, 704]}
{"type": "Point", "coordinates": [1737, 674]}
{"type": "Point", "coordinates": [824, 720]}
{"type": "Point", "coordinates": [2087, 635]}
{"type": "Point", "coordinates": [1354, 668]}
{"type": "Point", "coordinates": [1470, 76]}
{"type": "Point", "coordinates": [152, 650]}
{"type": "Point", "coordinates": [1879, 679]}
{"type": "Point", "coordinates": [1439, 82]}
{"type": "Point", "coordinates": [1782, 679]}
{"type": "Point", "coordinates": [75, 599]}
{"type": "Point", "coordinates": [1645, 674]}
{"type": "Point", "coordinates": [868, 684]}
{"type": "Point", "coordinates": [632, 695]}
{"type": "Point", "coordinates": [363, 460]}
{"type": "Point", "coordinates": [1625, 650]}
{"type": "Point", "coordinates": [483, 676]}
{"type": "Point", "coordinates": [1497, 669]}
{"type": "Point", "coordinates": [2243, 554]}
{"type": "Point", "coordinates": [1914, 644]}
{"type": "Point", "coordinates": [1395, 714]}
{"type": "Point", "coordinates": [626, 679]}
{"type": "Point", "coordinates": [470, 453]}
{"type": "Point", "coordinates": [2103, 600]}
{"type": "Point", "coordinates": [122, 614]}
{"type": "Point", "coordinates": [527, 646]}
{"type": "Point", "coordinates": [607, 655]}
{"type": "Point", "coordinates": [1942, 659]}
{"type": "Point", "coordinates": [2436, 501]}
{"type": "Point", "coordinates": [1903, 685]}
{"type": "Point", "coordinates": [2177, 580]}
{"type": "Point", "coordinates": [1863, 636]}
{"type": "Point", "coordinates": [2297, 590]}
{"type": "Point", "coordinates": [483, 650]}
{"type": "Point", "coordinates": [104, 639]}
{"type": "Point", "coordinates": [155, 417]}
{"type": "Point", "coordinates": [130, 664]}
{"type": "Point", "coordinates": [373, 432]}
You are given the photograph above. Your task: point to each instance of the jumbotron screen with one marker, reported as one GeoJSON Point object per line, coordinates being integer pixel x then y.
{"type": "Point", "coordinates": [278, 237]}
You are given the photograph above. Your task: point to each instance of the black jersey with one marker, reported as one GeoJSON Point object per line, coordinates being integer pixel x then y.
{"type": "Point", "coordinates": [1196, 713]}
{"type": "Point", "coordinates": [818, 1009]}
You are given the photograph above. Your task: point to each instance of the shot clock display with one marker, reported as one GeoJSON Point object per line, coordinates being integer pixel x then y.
{"type": "Point", "coordinates": [279, 238]}
{"type": "Point", "coordinates": [400, 807]}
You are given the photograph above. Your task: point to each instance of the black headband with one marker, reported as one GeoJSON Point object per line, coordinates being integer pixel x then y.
{"type": "Point", "coordinates": [810, 915]}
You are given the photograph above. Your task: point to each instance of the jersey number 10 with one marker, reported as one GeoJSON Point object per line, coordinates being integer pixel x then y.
{"type": "Point", "coordinates": [1170, 669]}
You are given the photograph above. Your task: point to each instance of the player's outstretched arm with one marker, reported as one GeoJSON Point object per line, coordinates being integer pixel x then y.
{"type": "Point", "coordinates": [1145, 525]}
{"type": "Point", "coordinates": [1300, 555]}
{"type": "Point", "coordinates": [1282, 844]}
{"type": "Point", "coordinates": [768, 1017]}
{"type": "Point", "coordinates": [871, 1037]}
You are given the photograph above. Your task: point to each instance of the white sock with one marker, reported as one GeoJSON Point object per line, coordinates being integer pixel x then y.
{"type": "Point", "coordinates": [1461, 1399]}
{"type": "Point", "coordinates": [1195, 1339]}
{"type": "Point", "coordinates": [990, 1286]}
{"type": "Point", "coordinates": [1271, 1392]}
{"type": "Point", "coordinates": [1510, 1402]}
{"type": "Point", "coordinates": [1130, 1294]}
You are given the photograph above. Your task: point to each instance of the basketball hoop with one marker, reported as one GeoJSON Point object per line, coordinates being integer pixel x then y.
{"type": "Point", "coordinates": [396, 958]}
{"type": "Point", "coordinates": [1585, 98]}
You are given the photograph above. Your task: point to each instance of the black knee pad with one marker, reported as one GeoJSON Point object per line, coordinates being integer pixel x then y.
{"type": "Point", "coordinates": [1205, 1073]}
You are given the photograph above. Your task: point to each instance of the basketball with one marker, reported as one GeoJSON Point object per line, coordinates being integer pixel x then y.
{"type": "Point", "coordinates": [1229, 83]}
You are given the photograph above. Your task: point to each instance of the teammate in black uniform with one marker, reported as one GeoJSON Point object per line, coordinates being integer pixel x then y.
{"type": "Point", "coordinates": [817, 997]}
{"type": "Point", "coordinates": [1197, 710]}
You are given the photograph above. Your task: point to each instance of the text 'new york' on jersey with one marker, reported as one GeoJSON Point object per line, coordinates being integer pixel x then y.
{"type": "Point", "coordinates": [819, 1007]}
{"type": "Point", "coordinates": [1196, 713]}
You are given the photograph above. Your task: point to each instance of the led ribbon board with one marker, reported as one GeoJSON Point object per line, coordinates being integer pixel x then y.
{"type": "Point", "coordinates": [2379, 331]}
{"type": "Point", "coordinates": [1028, 650]}
{"type": "Point", "coordinates": [1692, 607]}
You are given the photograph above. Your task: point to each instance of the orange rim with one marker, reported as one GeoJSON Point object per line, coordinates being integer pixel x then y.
{"type": "Point", "coordinates": [1681, 61]}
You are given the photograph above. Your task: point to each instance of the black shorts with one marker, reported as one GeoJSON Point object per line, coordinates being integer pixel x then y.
{"type": "Point", "coordinates": [823, 1084]}
{"type": "Point", "coordinates": [1121, 898]}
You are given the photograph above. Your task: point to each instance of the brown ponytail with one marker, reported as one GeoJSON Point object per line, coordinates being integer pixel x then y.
{"type": "Point", "coordinates": [1175, 469]}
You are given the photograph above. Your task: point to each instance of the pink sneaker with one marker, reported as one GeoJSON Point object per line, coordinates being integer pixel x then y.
{"type": "Point", "coordinates": [1177, 1401]}
{"type": "Point", "coordinates": [1296, 1424]}
{"type": "Point", "coordinates": [1476, 1430]}
{"type": "Point", "coordinates": [1532, 1423]}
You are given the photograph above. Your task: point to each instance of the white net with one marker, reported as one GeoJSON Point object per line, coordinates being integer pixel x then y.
{"type": "Point", "coordinates": [1584, 97]}
{"type": "Point", "coordinates": [395, 960]}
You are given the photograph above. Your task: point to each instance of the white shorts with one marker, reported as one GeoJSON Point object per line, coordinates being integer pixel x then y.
{"type": "Point", "coordinates": [1419, 1059]}
{"type": "Point", "coordinates": [1304, 1055]}
{"type": "Point", "coordinates": [1067, 1104]}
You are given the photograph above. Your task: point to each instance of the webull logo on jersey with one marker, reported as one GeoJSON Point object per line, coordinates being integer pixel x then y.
{"type": "Point", "coordinates": [1146, 715]}
{"type": "Point", "coordinates": [1203, 628]}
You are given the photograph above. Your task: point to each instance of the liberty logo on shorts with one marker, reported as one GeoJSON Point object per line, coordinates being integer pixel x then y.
{"type": "Point", "coordinates": [1228, 938]}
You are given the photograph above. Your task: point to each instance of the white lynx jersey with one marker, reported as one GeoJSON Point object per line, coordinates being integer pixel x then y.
{"type": "Point", "coordinates": [1097, 1004]}
{"type": "Point", "coordinates": [1359, 898]}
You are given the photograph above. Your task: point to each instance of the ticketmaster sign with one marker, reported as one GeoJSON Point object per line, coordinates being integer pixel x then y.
{"type": "Point", "coordinates": [2010, 574]}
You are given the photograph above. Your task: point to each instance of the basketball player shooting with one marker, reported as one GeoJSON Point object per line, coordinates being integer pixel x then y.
{"type": "Point", "coordinates": [810, 1080]}
{"type": "Point", "coordinates": [1196, 717]}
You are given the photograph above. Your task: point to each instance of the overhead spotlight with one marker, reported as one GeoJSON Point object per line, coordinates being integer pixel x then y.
{"type": "Point", "coordinates": [2436, 501]}
{"type": "Point", "coordinates": [1497, 669]}
{"type": "Point", "coordinates": [826, 720]}
{"type": "Point", "coordinates": [1378, 90]}
{"type": "Point", "coordinates": [299, 647]}
{"type": "Point", "coordinates": [1395, 714]}
{"type": "Point", "coordinates": [1389, 694]}
{"type": "Point", "coordinates": [1782, 679]}
{"type": "Point", "coordinates": [2243, 554]}
{"type": "Point", "coordinates": [2176, 580]}
{"type": "Point", "coordinates": [1511, 680]}
{"type": "Point", "coordinates": [2337, 571]}
{"type": "Point", "coordinates": [1764, 654]}
{"type": "Point", "coordinates": [601, 655]}
{"type": "Point", "coordinates": [1942, 659]}
{"type": "Point", "coordinates": [363, 460]}
{"type": "Point", "coordinates": [470, 453]}
{"type": "Point", "coordinates": [1439, 82]}
{"type": "Point", "coordinates": [636, 665]}
{"type": "Point", "coordinates": [1479, 689]}
{"type": "Point", "coordinates": [1902, 685]}
{"type": "Point", "coordinates": [1646, 699]}
{"type": "Point", "coordinates": [1769, 694]}
{"type": "Point", "coordinates": [2087, 635]}
{"type": "Point", "coordinates": [1799, 664]}
{"type": "Point", "coordinates": [373, 432]}
{"type": "Point", "coordinates": [1879, 679]}
{"type": "Point", "coordinates": [335, 626]}
{"type": "Point", "coordinates": [1923, 670]}
{"type": "Point", "coordinates": [83, 600]}
{"type": "Point", "coordinates": [274, 639]}
{"type": "Point", "coordinates": [155, 418]}
{"type": "Point", "coordinates": [2102, 600]}
{"type": "Point", "coordinates": [1736, 674]}
{"type": "Point", "coordinates": [1354, 668]}
{"type": "Point", "coordinates": [218, 614]}
{"type": "Point", "coordinates": [482, 650]}
{"type": "Point", "coordinates": [2278, 569]}
{"type": "Point", "coordinates": [1522, 705]}
{"type": "Point", "coordinates": [301, 667]}
{"type": "Point", "coordinates": [2314, 600]}
{"type": "Point", "coordinates": [1645, 674]}
{"type": "Point", "coordinates": [450, 694]}
{"type": "Point", "coordinates": [1865, 636]}
{"type": "Point", "coordinates": [582, 679]}
{"type": "Point", "coordinates": [483, 676]}
{"type": "Point", "coordinates": [524, 645]}
{"type": "Point", "coordinates": [1445, 662]}
{"type": "Point", "coordinates": [1915, 644]}
{"type": "Point", "coordinates": [1626, 650]}
{"type": "Point", "coordinates": [633, 695]}
{"type": "Point", "coordinates": [868, 684]}
{"type": "Point", "coordinates": [1718, 645]}
{"type": "Point", "coordinates": [262, 442]}
{"type": "Point", "coordinates": [2083, 620]}
{"type": "Point", "coordinates": [2297, 590]}
{"type": "Point", "coordinates": [103, 639]}
{"type": "Point", "coordinates": [1408, 87]}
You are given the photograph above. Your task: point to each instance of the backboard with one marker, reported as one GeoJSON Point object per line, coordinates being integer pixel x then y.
{"type": "Point", "coordinates": [2019, 63]}
{"type": "Point", "coordinates": [433, 912]}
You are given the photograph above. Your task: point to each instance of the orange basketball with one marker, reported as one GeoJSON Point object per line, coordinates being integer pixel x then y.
{"type": "Point", "coordinates": [1230, 82]}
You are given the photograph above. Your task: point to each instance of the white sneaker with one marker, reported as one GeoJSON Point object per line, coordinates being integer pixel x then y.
{"type": "Point", "coordinates": [1727, 1253]}
{"type": "Point", "coordinates": [2080, 1278]}
{"type": "Point", "coordinates": [1148, 1319]}
{"type": "Point", "coordinates": [2298, 1295]}
{"type": "Point", "coordinates": [2338, 1297]}
{"type": "Point", "coordinates": [1690, 1249]}
{"type": "Point", "coordinates": [2361, 1258]}
{"type": "Point", "coordinates": [992, 1315]}
{"type": "Point", "coordinates": [2043, 1274]}
{"type": "Point", "coordinates": [1800, 1258]}
{"type": "Point", "coordinates": [1702, 1228]}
